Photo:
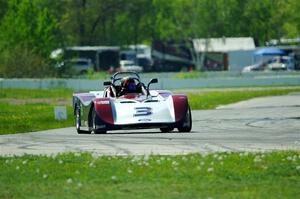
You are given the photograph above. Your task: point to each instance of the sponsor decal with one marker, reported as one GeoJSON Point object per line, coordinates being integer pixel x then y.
{"type": "Point", "coordinates": [142, 111]}
{"type": "Point", "coordinates": [103, 102]}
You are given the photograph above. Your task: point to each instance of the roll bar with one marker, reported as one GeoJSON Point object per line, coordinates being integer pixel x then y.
{"type": "Point", "coordinates": [127, 72]}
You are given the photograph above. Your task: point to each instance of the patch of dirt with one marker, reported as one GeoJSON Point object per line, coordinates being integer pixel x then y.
{"type": "Point", "coordinates": [58, 101]}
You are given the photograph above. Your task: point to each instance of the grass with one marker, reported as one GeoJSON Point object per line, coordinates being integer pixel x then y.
{"type": "Point", "coordinates": [98, 75]}
{"type": "Point", "coordinates": [36, 93]}
{"type": "Point", "coordinates": [189, 75]}
{"type": "Point", "coordinates": [193, 74]}
{"type": "Point", "coordinates": [28, 117]}
{"type": "Point", "coordinates": [210, 100]}
{"type": "Point", "coordinates": [84, 175]}
{"type": "Point", "coordinates": [218, 175]}
{"type": "Point", "coordinates": [31, 117]}
{"type": "Point", "coordinates": [174, 75]}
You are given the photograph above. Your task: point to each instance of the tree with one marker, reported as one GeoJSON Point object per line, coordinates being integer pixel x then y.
{"type": "Point", "coordinates": [30, 31]}
{"type": "Point", "coordinates": [29, 24]}
{"type": "Point", "coordinates": [3, 8]}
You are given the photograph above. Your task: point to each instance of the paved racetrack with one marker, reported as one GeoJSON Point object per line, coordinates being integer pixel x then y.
{"type": "Point", "coordinates": [269, 123]}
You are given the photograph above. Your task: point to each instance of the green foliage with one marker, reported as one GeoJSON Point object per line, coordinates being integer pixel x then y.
{"type": "Point", "coordinates": [116, 22]}
{"type": "Point", "coordinates": [90, 73]}
{"type": "Point", "coordinates": [3, 8]}
{"type": "Point", "coordinates": [21, 62]}
{"type": "Point", "coordinates": [30, 25]}
{"type": "Point", "coordinates": [28, 33]}
{"type": "Point", "coordinates": [215, 175]}
{"type": "Point", "coordinates": [40, 26]}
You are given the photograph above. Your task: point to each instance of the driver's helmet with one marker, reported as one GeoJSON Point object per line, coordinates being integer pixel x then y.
{"type": "Point", "coordinates": [128, 84]}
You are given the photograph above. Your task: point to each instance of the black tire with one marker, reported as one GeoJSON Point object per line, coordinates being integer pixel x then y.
{"type": "Point", "coordinates": [78, 122]}
{"type": "Point", "coordinates": [166, 129]}
{"type": "Point", "coordinates": [186, 125]}
{"type": "Point", "coordinates": [95, 119]}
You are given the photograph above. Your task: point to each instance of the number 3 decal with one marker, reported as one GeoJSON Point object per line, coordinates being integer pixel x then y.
{"type": "Point", "coordinates": [142, 111]}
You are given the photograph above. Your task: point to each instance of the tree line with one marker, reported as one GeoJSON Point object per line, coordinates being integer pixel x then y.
{"type": "Point", "coordinates": [31, 29]}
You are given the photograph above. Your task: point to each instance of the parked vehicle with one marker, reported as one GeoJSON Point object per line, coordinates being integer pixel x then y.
{"type": "Point", "coordinates": [126, 103]}
{"type": "Point", "coordinates": [256, 67]}
{"type": "Point", "coordinates": [140, 55]}
{"type": "Point", "coordinates": [281, 63]}
{"type": "Point", "coordinates": [74, 66]}
{"type": "Point", "coordinates": [126, 65]}
{"type": "Point", "coordinates": [102, 57]}
{"type": "Point", "coordinates": [274, 64]}
{"type": "Point", "coordinates": [80, 65]}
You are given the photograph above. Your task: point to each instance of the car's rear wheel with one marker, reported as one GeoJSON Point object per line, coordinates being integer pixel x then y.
{"type": "Point", "coordinates": [78, 122]}
{"type": "Point", "coordinates": [186, 125]}
{"type": "Point", "coordinates": [166, 129]}
{"type": "Point", "coordinates": [95, 121]}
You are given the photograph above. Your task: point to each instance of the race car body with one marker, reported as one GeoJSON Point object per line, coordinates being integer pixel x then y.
{"type": "Point", "coordinates": [140, 107]}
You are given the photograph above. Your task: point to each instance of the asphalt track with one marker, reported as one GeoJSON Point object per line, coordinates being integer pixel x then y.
{"type": "Point", "coordinates": [261, 124]}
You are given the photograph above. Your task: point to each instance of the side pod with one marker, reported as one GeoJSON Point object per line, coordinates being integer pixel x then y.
{"type": "Point", "coordinates": [103, 107]}
{"type": "Point", "coordinates": [180, 107]}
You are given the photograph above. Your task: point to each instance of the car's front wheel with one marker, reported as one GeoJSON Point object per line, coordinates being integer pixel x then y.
{"type": "Point", "coordinates": [186, 125]}
{"type": "Point", "coordinates": [78, 122]}
{"type": "Point", "coordinates": [95, 121]}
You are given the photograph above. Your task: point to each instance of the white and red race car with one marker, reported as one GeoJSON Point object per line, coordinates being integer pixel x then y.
{"type": "Point", "coordinates": [126, 103]}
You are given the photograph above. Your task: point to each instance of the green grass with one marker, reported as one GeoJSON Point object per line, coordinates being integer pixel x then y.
{"type": "Point", "coordinates": [189, 75]}
{"type": "Point", "coordinates": [28, 116]}
{"type": "Point", "coordinates": [218, 175]}
{"type": "Point", "coordinates": [98, 75]}
{"type": "Point", "coordinates": [36, 93]}
{"type": "Point", "coordinates": [31, 117]}
{"type": "Point", "coordinates": [210, 100]}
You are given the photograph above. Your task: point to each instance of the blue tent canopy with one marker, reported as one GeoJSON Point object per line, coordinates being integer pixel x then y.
{"type": "Point", "coordinates": [269, 52]}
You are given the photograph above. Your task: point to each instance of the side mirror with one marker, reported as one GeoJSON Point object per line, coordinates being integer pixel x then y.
{"type": "Point", "coordinates": [152, 81]}
{"type": "Point", "coordinates": [108, 83]}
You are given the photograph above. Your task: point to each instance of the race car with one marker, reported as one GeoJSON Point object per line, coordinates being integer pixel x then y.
{"type": "Point", "coordinates": [127, 103]}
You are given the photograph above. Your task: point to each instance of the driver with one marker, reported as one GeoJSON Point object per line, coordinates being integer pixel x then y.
{"type": "Point", "coordinates": [128, 85]}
